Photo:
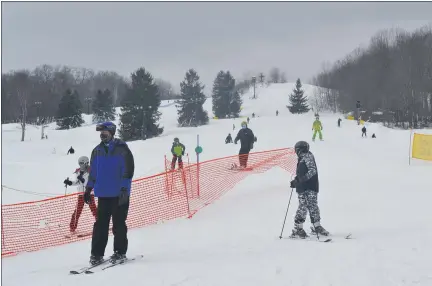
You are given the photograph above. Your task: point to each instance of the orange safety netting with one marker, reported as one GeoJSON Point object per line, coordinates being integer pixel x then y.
{"type": "Point", "coordinates": [32, 226]}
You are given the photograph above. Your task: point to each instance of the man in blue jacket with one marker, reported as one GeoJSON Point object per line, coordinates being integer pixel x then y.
{"type": "Point", "coordinates": [111, 171]}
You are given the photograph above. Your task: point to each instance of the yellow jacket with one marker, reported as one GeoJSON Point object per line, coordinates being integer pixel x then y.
{"type": "Point", "coordinates": [317, 126]}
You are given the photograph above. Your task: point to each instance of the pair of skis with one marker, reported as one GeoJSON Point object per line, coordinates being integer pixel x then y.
{"type": "Point", "coordinates": [313, 235]}
{"type": "Point", "coordinates": [103, 265]}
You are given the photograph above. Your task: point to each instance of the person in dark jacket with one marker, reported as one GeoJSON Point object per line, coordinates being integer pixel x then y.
{"type": "Point", "coordinates": [307, 187]}
{"type": "Point", "coordinates": [364, 131]}
{"type": "Point", "coordinates": [228, 139]}
{"type": "Point", "coordinates": [111, 171]}
{"type": "Point", "coordinates": [70, 151]}
{"type": "Point", "coordinates": [247, 138]}
{"type": "Point", "coordinates": [339, 121]}
{"type": "Point", "coordinates": [177, 150]}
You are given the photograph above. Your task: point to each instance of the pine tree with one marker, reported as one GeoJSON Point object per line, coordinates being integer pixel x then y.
{"type": "Point", "coordinates": [140, 108]}
{"type": "Point", "coordinates": [69, 114]}
{"type": "Point", "coordinates": [103, 106]}
{"type": "Point", "coordinates": [297, 100]}
{"type": "Point", "coordinates": [226, 99]}
{"type": "Point", "coordinates": [190, 106]}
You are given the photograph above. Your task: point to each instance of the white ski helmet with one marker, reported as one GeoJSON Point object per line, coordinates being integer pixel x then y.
{"type": "Point", "coordinates": [83, 162]}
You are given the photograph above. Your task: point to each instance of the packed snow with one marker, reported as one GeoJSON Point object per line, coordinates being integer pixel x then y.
{"type": "Point", "coordinates": [367, 188]}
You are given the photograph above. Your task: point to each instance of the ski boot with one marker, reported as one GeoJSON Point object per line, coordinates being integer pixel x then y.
{"type": "Point", "coordinates": [298, 232]}
{"type": "Point", "coordinates": [94, 259]}
{"type": "Point", "coordinates": [117, 256]}
{"type": "Point", "coordinates": [320, 230]}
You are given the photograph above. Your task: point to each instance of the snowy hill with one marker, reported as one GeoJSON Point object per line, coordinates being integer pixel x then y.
{"type": "Point", "coordinates": [366, 188]}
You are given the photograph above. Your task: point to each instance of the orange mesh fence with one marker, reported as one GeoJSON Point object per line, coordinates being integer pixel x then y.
{"type": "Point", "coordinates": [177, 193]}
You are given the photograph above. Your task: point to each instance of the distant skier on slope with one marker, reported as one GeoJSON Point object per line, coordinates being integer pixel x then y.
{"type": "Point", "coordinates": [247, 138]}
{"type": "Point", "coordinates": [70, 151]}
{"type": "Point", "coordinates": [228, 139]}
{"type": "Point", "coordinates": [317, 128]}
{"type": "Point", "coordinates": [306, 184]}
{"type": "Point", "coordinates": [364, 131]}
{"type": "Point", "coordinates": [82, 174]}
{"type": "Point", "coordinates": [177, 150]}
{"type": "Point", "coordinates": [339, 122]}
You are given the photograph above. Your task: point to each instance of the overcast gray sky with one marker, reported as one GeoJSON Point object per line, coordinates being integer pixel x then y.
{"type": "Point", "coordinates": [169, 38]}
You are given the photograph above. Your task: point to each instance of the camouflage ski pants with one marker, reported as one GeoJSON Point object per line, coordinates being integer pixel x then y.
{"type": "Point", "coordinates": [308, 201]}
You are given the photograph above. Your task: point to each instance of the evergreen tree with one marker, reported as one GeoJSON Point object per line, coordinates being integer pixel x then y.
{"type": "Point", "coordinates": [226, 99]}
{"type": "Point", "coordinates": [297, 100]}
{"type": "Point", "coordinates": [190, 106]}
{"type": "Point", "coordinates": [140, 108]}
{"type": "Point", "coordinates": [103, 106]}
{"type": "Point", "coordinates": [69, 113]}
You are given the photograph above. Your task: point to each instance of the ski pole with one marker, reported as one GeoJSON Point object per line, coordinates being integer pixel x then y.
{"type": "Point", "coordinates": [64, 200]}
{"type": "Point", "coordinates": [286, 213]}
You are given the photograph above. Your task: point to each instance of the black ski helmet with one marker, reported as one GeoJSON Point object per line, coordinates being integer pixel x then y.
{"type": "Point", "coordinates": [301, 147]}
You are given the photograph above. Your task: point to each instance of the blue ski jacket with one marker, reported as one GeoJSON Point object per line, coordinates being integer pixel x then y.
{"type": "Point", "coordinates": [111, 168]}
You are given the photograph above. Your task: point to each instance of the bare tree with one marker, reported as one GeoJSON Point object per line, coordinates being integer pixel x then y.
{"type": "Point", "coordinates": [392, 76]}
{"type": "Point", "coordinates": [283, 78]}
{"type": "Point", "coordinates": [275, 75]}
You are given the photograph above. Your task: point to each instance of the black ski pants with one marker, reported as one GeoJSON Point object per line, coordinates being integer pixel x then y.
{"type": "Point", "coordinates": [243, 157]}
{"type": "Point", "coordinates": [107, 208]}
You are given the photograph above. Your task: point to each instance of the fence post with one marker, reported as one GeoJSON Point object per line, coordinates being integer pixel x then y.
{"type": "Point", "coordinates": [167, 186]}
{"type": "Point", "coordinates": [198, 170]}
{"type": "Point", "coordinates": [409, 149]}
{"type": "Point", "coordinates": [2, 234]}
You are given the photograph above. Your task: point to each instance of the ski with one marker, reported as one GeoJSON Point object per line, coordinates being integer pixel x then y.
{"type": "Point", "coordinates": [87, 268]}
{"type": "Point", "coordinates": [308, 238]}
{"type": "Point", "coordinates": [78, 235]}
{"type": "Point", "coordinates": [118, 262]}
{"type": "Point", "coordinates": [348, 236]}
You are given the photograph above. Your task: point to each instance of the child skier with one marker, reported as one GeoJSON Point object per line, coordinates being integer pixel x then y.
{"type": "Point", "coordinates": [307, 186]}
{"type": "Point", "coordinates": [82, 174]}
{"type": "Point", "coordinates": [317, 128]}
{"type": "Point", "coordinates": [177, 151]}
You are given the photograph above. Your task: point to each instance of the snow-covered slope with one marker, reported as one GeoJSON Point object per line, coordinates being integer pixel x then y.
{"type": "Point", "coordinates": [366, 187]}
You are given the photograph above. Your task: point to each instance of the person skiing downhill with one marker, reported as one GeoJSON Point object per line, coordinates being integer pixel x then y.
{"type": "Point", "coordinates": [247, 138]}
{"type": "Point", "coordinates": [306, 184]}
{"type": "Point", "coordinates": [111, 170]}
{"type": "Point", "coordinates": [339, 122]}
{"type": "Point", "coordinates": [177, 150]}
{"type": "Point", "coordinates": [364, 131]}
{"type": "Point", "coordinates": [317, 128]}
{"type": "Point", "coordinates": [228, 139]}
{"type": "Point", "coordinates": [82, 174]}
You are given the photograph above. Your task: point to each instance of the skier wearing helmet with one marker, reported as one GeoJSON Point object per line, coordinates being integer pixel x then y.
{"type": "Point", "coordinates": [81, 179]}
{"type": "Point", "coordinates": [247, 138]}
{"type": "Point", "coordinates": [111, 170]}
{"type": "Point", "coordinates": [177, 150]}
{"type": "Point", "coordinates": [307, 187]}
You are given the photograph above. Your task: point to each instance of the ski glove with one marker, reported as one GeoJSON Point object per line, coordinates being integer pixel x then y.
{"type": "Point", "coordinates": [87, 195]}
{"type": "Point", "coordinates": [123, 197]}
{"type": "Point", "coordinates": [295, 183]}
{"type": "Point", "coordinates": [67, 182]}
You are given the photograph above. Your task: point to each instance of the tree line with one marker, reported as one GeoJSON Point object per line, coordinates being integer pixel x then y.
{"type": "Point", "coordinates": [391, 80]}
{"type": "Point", "coordinates": [43, 88]}
{"type": "Point", "coordinates": [63, 94]}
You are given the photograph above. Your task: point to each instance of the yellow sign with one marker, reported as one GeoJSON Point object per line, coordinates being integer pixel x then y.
{"type": "Point", "coordinates": [422, 147]}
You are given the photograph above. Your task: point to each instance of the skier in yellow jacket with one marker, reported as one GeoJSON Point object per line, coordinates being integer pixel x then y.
{"type": "Point", "coordinates": [317, 128]}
